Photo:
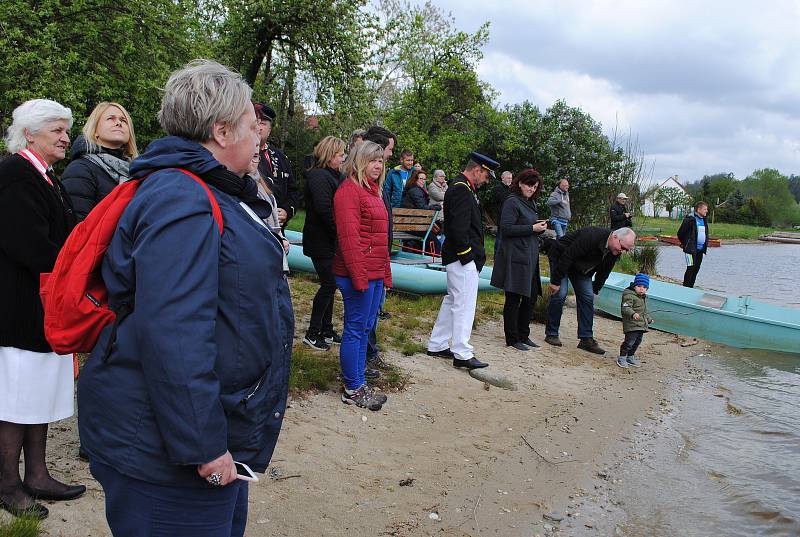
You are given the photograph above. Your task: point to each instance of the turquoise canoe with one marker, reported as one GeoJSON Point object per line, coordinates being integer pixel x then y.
{"type": "Point", "coordinates": [736, 321]}
{"type": "Point", "coordinates": [411, 273]}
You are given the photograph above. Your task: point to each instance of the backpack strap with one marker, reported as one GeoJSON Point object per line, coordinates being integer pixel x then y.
{"type": "Point", "coordinates": [126, 308]}
{"type": "Point", "coordinates": [215, 210]}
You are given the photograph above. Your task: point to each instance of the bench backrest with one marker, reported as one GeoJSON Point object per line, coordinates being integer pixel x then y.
{"type": "Point", "coordinates": [412, 219]}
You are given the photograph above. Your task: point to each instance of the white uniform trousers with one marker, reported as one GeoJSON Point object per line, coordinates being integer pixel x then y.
{"type": "Point", "coordinates": [454, 322]}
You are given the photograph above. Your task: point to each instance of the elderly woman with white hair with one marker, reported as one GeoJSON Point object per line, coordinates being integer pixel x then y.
{"type": "Point", "coordinates": [36, 385]}
{"type": "Point", "coordinates": [195, 377]}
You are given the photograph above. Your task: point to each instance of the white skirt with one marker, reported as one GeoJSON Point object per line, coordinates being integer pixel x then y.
{"type": "Point", "coordinates": [35, 387]}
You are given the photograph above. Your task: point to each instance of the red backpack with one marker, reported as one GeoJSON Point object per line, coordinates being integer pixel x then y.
{"type": "Point", "coordinates": [74, 296]}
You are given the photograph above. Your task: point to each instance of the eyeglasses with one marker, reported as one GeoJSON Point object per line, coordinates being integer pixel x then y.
{"type": "Point", "coordinates": [621, 246]}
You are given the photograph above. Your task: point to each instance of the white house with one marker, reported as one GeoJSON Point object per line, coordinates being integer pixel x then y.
{"type": "Point", "coordinates": [677, 212]}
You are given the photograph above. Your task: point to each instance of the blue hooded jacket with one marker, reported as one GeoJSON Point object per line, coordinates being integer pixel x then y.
{"type": "Point", "coordinates": [201, 365]}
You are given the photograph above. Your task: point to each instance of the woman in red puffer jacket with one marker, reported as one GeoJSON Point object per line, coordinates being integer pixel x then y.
{"type": "Point", "coordinates": [361, 265]}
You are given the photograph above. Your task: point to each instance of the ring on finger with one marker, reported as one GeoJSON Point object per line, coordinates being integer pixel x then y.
{"type": "Point", "coordinates": [215, 479]}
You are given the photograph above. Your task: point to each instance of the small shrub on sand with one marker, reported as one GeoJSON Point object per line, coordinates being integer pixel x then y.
{"type": "Point", "coordinates": [20, 527]}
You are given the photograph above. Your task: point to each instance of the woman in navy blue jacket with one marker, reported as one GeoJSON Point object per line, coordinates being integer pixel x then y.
{"type": "Point", "coordinates": [197, 373]}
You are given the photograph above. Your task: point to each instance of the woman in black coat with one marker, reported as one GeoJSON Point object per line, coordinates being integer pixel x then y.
{"type": "Point", "coordinates": [100, 157]}
{"type": "Point", "coordinates": [415, 195]}
{"type": "Point", "coordinates": [516, 266]}
{"type": "Point", "coordinates": [36, 384]}
{"type": "Point", "coordinates": [319, 237]}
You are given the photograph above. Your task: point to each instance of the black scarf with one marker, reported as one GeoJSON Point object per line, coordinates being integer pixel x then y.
{"type": "Point", "coordinates": [244, 188]}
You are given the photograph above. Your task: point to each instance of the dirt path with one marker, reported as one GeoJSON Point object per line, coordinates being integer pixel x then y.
{"type": "Point", "coordinates": [447, 456]}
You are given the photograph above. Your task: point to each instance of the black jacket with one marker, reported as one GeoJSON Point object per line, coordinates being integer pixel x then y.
{"type": "Point", "coordinates": [618, 218]}
{"type": "Point", "coordinates": [86, 182]}
{"type": "Point", "coordinates": [516, 265]}
{"type": "Point", "coordinates": [35, 219]}
{"type": "Point", "coordinates": [687, 234]}
{"type": "Point", "coordinates": [582, 252]}
{"type": "Point", "coordinates": [319, 230]}
{"type": "Point", "coordinates": [416, 198]}
{"type": "Point", "coordinates": [275, 168]}
{"type": "Point", "coordinates": [500, 193]}
{"type": "Point", "coordinates": [463, 225]}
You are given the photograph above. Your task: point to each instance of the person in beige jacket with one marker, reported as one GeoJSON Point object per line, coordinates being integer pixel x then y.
{"type": "Point", "coordinates": [437, 187]}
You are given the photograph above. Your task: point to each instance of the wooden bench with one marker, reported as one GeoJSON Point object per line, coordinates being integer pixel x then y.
{"type": "Point", "coordinates": [413, 224]}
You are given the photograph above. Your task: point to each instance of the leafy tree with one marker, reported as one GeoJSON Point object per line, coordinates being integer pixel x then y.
{"type": "Point", "coordinates": [772, 188]}
{"type": "Point", "coordinates": [716, 188]}
{"type": "Point", "coordinates": [794, 187]}
{"type": "Point", "coordinates": [298, 51]}
{"type": "Point", "coordinates": [672, 197]}
{"type": "Point", "coordinates": [82, 52]}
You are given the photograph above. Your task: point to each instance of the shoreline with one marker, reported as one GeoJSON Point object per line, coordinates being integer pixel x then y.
{"type": "Point", "coordinates": [446, 456]}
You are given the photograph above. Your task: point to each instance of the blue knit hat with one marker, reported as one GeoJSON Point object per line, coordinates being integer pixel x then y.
{"type": "Point", "coordinates": [641, 279]}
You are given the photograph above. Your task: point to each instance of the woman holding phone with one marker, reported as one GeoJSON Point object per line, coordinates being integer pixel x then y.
{"type": "Point", "coordinates": [196, 375]}
{"type": "Point", "coordinates": [516, 266]}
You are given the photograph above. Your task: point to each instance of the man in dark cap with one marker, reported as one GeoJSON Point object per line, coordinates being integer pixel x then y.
{"type": "Point", "coordinates": [274, 167]}
{"type": "Point", "coordinates": [463, 255]}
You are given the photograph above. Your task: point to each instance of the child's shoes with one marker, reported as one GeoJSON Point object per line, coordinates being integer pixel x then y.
{"type": "Point", "coordinates": [622, 361]}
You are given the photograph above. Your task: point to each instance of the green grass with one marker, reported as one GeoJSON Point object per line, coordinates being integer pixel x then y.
{"type": "Point", "coordinates": [19, 527]}
{"type": "Point", "coordinates": [298, 221]}
{"type": "Point", "coordinates": [718, 230]}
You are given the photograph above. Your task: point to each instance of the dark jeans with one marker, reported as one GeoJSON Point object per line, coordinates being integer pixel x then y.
{"type": "Point", "coordinates": [690, 275]}
{"type": "Point", "coordinates": [632, 341]}
{"type": "Point", "coordinates": [137, 508]}
{"type": "Point", "coordinates": [322, 306]}
{"type": "Point", "coordinates": [517, 317]}
{"type": "Point", "coordinates": [584, 296]}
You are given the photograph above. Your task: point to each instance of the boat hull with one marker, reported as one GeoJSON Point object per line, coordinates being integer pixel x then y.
{"type": "Point", "coordinates": [739, 322]}
{"type": "Point", "coordinates": [671, 239]}
{"type": "Point", "coordinates": [423, 279]}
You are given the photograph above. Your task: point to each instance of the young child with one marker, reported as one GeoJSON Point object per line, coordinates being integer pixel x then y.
{"type": "Point", "coordinates": [635, 319]}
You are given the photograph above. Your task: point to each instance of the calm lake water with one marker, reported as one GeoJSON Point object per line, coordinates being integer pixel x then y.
{"type": "Point", "coordinates": [726, 459]}
{"type": "Point", "coordinates": [767, 271]}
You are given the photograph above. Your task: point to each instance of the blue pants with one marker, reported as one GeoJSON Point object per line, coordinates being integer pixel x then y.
{"type": "Point", "coordinates": [360, 313]}
{"type": "Point", "coordinates": [559, 228]}
{"type": "Point", "coordinates": [584, 296]}
{"type": "Point", "coordinates": [137, 508]}
{"type": "Point", "coordinates": [372, 340]}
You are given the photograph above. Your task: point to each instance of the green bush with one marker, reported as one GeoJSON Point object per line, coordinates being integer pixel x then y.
{"type": "Point", "coordinates": [645, 257]}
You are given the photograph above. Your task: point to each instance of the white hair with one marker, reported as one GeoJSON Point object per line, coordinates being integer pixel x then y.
{"type": "Point", "coordinates": [506, 174]}
{"type": "Point", "coordinates": [438, 173]}
{"type": "Point", "coordinates": [200, 95]}
{"type": "Point", "coordinates": [623, 232]}
{"type": "Point", "coordinates": [32, 116]}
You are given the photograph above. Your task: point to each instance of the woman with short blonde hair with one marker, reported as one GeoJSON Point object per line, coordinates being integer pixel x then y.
{"type": "Point", "coordinates": [327, 149]}
{"type": "Point", "coordinates": [319, 238]}
{"type": "Point", "coordinates": [101, 156]}
{"type": "Point", "coordinates": [195, 377]}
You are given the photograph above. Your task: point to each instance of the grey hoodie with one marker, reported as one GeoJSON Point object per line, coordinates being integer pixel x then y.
{"type": "Point", "coordinates": [559, 204]}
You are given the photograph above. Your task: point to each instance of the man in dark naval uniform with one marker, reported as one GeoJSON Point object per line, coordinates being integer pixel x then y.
{"type": "Point", "coordinates": [463, 255]}
{"type": "Point", "coordinates": [274, 167]}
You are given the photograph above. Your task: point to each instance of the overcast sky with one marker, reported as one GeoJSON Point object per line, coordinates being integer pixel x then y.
{"type": "Point", "coordinates": [705, 86]}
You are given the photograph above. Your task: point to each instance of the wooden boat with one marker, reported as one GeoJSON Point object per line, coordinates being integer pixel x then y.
{"type": "Point", "coordinates": [672, 239]}
{"type": "Point", "coordinates": [784, 237]}
{"type": "Point", "coordinates": [412, 273]}
{"type": "Point", "coordinates": [736, 321]}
